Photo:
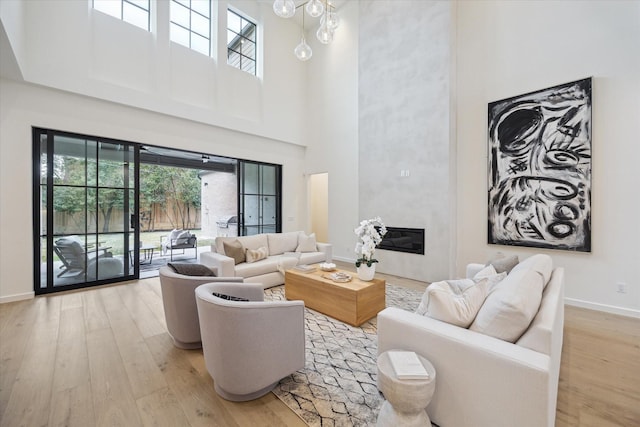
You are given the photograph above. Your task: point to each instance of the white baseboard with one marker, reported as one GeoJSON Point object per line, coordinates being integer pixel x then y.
{"type": "Point", "coordinates": [629, 312]}
{"type": "Point", "coordinates": [343, 259]}
{"type": "Point", "coordinates": [17, 297]}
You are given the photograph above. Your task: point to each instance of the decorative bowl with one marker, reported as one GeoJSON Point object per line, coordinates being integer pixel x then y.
{"type": "Point", "coordinates": [338, 277]}
{"type": "Point", "coordinates": [327, 266]}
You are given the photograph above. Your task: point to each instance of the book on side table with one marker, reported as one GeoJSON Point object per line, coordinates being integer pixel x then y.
{"type": "Point", "coordinates": [407, 366]}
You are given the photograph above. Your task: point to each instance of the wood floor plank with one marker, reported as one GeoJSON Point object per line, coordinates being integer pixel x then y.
{"type": "Point", "coordinates": [113, 400]}
{"type": "Point", "coordinates": [76, 358]}
{"type": "Point", "coordinates": [95, 316]}
{"type": "Point", "coordinates": [195, 393]}
{"type": "Point", "coordinates": [7, 313]}
{"type": "Point", "coordinates": [30, 398]}
{"type": "Point", "coordinates": [161, 408]}
{"type": "Point", "coordinates": [14, 338]}
{"type": "Point", "coordinates": [71, 367]}
{"type": "Point", "coordinates": [143, 373]}
{"type": "Point", "coordinates": [71, 300]}
{"type": "Point", "coordinates": [600, 370]}
{"type": "Point", "coordinates": [153, 283]}
{"type": "Point", "coordinates": [148, 324]}
{"type": "Point", "coordinates": [72, 407]}
{"type": "Point", "coordinates": [257, 412]}
{"type": "Point", "coordinates": [153, 300]}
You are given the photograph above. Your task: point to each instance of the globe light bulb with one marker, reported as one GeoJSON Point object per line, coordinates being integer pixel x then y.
{"type": "Point", "coordinates": [332, 20]}
{"type": "Point", "coordinates": [284, 8]}
{"type": "Point", "coordinates": [324, 34]}
{"type": "Point", "coordinates": [315, 8]}
{"type": "Point", "coordinates": [303, 51]}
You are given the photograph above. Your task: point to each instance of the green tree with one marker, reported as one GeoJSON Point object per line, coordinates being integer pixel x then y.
{"type": "Point", "coordinates": [110, 196]}
{"type": "Point", "coordinates": [185, 189]}
{"type": "Point", "coordinates": [153, 191]}
{"type": "Point", "coordinates": [69, 196]}
{"type": "Point", "coordinates": [76, 195]}
{"type": "Point", "coordinates": [162, 184]}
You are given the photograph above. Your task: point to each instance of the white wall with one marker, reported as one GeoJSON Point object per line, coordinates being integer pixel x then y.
{"type": "Point", "coordinates": [331, 129]}
{"type": "Point", "coordinates": [318, 193]}
{"type": "Point", "coordinates": [504, 48]}
{"type": "Point", "coordinates": [509, 48]}
{"type": "Point", "coordinates": [68, 45]}
{"type": "Point", "coordinates": [23, 106]}
{"type": "Point", "coordinates": [88, 72]}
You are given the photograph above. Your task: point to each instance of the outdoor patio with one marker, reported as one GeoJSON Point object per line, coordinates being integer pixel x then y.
{"type": "Point", "coordinates": [148, 267]}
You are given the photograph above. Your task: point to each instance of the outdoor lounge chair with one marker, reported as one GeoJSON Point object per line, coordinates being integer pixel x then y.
{"type": "Point", "coordinates": [75, 256]}
{"type": "Point", "coordinates": [179, 240]}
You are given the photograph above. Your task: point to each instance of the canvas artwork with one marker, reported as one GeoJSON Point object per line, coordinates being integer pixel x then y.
{"type": "Point", "coordinates": [540, 168]}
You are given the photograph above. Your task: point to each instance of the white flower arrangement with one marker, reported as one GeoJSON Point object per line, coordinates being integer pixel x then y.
{"type": "Point", "coordinates": [369, 237]}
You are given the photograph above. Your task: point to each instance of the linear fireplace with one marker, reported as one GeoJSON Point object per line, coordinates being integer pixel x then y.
{"type": "Point", "coordinates": [410, 240]}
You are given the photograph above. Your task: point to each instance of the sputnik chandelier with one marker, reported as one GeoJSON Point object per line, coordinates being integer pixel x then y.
{"type": "Point", "coordinates": [329, 21]}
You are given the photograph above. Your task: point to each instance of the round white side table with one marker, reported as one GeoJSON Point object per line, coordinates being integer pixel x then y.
{"type": "Point", "coordinates": [406, 400]}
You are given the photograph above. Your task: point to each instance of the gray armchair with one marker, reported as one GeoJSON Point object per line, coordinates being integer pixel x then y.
{"type": "Point", "coordinates": [249, 346]}
{"type": "Point", "coordinates": [179, 301]}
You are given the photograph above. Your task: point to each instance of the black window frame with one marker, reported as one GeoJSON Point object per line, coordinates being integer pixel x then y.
{"type": "Point", "coordinates": [190, 29]}
{"type": "Point", "coordinates": [147, 10]}
{"type": "Point", "coordinates": [242, 37]}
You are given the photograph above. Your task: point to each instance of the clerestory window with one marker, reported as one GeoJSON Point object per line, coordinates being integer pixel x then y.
{"type": "Point", "coordinates": [191, 24]}
{"type": "Point", "coordinates": [241, 42]}
{"type": "Point", "coordinates": [134, 12]}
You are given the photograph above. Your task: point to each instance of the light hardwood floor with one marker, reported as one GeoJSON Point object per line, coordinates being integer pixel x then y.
{"type": "Point", "coordinates": [103, 357]}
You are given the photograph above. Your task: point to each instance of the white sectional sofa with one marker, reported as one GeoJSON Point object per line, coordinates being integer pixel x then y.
{"type": "Point", "coordinates": [482, 380]}
{"type": "Point", "coordinates": [283, 251]}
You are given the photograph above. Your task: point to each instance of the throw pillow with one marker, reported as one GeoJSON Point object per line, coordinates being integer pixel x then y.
{"type": "Point", "coordinates": [187, 269]}
{"type": "Point", "coordinates": [307, 243]}
{"type": "Point", "coordinates": [453, 301]}
{"type": "Point", "coordinates": [504, 263]}
{"type": "Point", "coordinates": [174, 233]}
{"type": "Point", "coordinates": [229, 297]}
{"type": "Point", "coordinates": [489, 273]}
{"type": "Point", "coordinates": [256, 255]}
{"type": "Point", "coordinates": [234, 250]}
{"type": "Point", "coordinates": [511, 306]}
{"type": "Point", "coordinates": [182, 238]}
{"type": "Point", "coordinates": [541, 263]}
{"type": "Point", "coordinates": [282, 242]}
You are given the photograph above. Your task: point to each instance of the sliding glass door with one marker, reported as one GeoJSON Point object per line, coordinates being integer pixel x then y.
{"type": "Point", "coordinates": [87, 196]}
{"type": "Point", "coordinates": [85, 207]}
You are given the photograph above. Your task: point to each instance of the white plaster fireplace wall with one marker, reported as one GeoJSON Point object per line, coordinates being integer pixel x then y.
{"type": "Point", "coordinates": [404, 128]}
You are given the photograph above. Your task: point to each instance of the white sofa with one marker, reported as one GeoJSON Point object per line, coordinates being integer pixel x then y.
{"type": "Point", "coordinates": [280, 248]}
{"type": "Point", "coordinates": [483, 380]}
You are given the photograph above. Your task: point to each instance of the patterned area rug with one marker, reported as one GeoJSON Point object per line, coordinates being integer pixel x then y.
{"type": "Point", "coordinates": [337, 387]}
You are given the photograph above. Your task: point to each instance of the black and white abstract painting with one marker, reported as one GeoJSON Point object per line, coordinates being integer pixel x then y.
{"type": "Point", "coordinates": [540, 168]}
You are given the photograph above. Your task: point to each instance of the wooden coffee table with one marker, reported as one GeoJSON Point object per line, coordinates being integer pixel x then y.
{"type": "Point", "coordinates": [352, 302]}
